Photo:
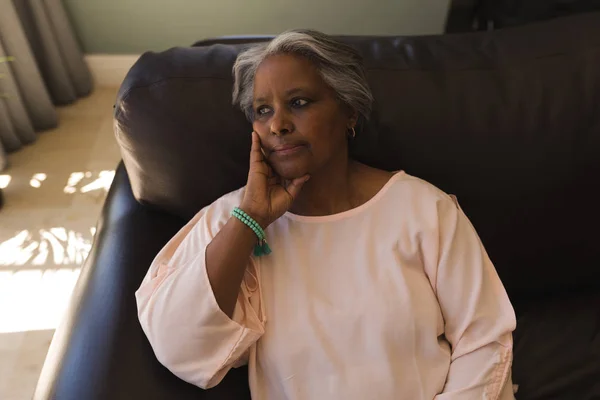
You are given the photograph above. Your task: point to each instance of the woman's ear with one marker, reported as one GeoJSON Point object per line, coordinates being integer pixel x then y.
{"type": "Point", "coordinates": [353, 120]}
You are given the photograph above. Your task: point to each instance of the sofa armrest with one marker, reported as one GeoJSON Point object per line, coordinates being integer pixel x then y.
{"type": "Point", "coordinates": [100, 351]}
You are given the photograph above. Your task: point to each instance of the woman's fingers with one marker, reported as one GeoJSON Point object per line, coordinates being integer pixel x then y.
{"type": "Point", "coordinates": [256, 154]}
{"type": "Point", "coordinates": [259, 169]}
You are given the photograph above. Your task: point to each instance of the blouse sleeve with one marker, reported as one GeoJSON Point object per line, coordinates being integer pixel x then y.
{"type": "Point", "coordinates": [179, 314]}
{"type": "Point", "coordinates": [478, 316]}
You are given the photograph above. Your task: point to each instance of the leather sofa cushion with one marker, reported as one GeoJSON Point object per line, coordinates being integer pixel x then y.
{"type": "Point", "coordinates": [557, 348]}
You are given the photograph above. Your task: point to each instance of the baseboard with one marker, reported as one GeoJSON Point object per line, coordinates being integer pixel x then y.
{"type": "Point", "coordinates": [110, 69]}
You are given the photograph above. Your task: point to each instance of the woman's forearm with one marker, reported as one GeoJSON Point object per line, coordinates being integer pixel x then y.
{"type": "Point", "coordinates": [227, 256]}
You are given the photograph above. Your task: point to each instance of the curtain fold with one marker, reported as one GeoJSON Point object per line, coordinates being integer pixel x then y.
{"type": "Point", "coordinates": [48, 70]}
{"type": "Point", "coordinates": [72, 57]}
{"type": "Point", "coordinates": [49, 60]}
{"type": "Point", "coordinates": [21, 130]}
{"type": "Point", "coordinates": [27, 75]}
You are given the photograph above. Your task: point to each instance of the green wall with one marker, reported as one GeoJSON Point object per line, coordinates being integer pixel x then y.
{"type": "Point", "coordinates": [134, 26]}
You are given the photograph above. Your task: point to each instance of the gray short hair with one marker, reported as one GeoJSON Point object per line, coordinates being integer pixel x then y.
{"type": "Point", "coordinates": [339, 65]}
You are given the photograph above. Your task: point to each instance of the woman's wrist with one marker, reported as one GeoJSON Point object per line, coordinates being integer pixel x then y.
{"type": "Point", "coordinates": [263, 222]}
{"type": "Point", "coordinates": [261, 248]}
{"type": "Point", "coordinates": [245, 232]}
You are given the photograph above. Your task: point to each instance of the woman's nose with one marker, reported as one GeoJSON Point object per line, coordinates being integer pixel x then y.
{"type": "Point", "coordinates": [281, 123]}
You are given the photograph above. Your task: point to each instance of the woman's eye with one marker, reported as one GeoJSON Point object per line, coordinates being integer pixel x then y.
{"type": "Point", "coordinates": [262, 110]}
{"type": "Point", "coordinates": [299, 103]}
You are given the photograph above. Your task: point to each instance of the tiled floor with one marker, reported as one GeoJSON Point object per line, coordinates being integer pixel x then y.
{"type": "Point", "coordinates": [53, 196]}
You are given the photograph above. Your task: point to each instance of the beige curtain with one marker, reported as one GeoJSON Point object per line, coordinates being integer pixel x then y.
{"type": "Point", "coordinates": [48, 69]}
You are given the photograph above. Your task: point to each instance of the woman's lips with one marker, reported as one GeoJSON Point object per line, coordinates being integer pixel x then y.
{"type": "Point", "coordinates": [288, 149]}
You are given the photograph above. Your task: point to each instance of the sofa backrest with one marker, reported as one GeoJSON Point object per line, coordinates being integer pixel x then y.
{"type": "Point", "coordinates": [508, 120]}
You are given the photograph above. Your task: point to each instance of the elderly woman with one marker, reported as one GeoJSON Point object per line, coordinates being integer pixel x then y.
{"type": "Point", "coordinates": [373, 284]}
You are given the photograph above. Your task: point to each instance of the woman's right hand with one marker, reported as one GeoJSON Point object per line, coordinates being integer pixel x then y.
{"type": "Point", "coordinates": [267, 196]}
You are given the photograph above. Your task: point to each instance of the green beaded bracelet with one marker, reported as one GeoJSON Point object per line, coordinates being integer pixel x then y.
{"type": "Point", "coordinates": [261, 248]}
{"type": "Point", "coordinates": [250, 224]}
{"type": "Point", "coordinates": [246, 219]}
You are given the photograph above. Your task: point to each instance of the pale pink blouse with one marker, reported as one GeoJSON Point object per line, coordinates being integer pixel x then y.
{"type": "Point", "coordinates": [395, 299]}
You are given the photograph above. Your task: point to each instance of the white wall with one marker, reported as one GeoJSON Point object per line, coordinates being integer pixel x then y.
{"type": "Point", "coordinates": [134, 26]}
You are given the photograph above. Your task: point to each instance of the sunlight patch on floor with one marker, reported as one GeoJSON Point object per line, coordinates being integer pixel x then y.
{"type": "Point", "coordinates": [38, 270]}
{"type": "Point", "coordinates": [34, 299]}
{"type": "Point", "coordinates": [37, 179]}
{"type": "Point", "coordinates": [54, 246]}
{"type": "Point", "coordinates": [76, 179]}
{"type": "Point", "coordinates": [78, 182]}
{"type": "Point", "coordinates": [4, 181]}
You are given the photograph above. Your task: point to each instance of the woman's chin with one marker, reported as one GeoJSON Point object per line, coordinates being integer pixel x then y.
{"type": "Point", "coordinates": [290, 173]}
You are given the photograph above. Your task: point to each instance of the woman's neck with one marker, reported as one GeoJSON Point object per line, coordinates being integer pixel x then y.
{"type": "Point", "coordinates": [328, 192]}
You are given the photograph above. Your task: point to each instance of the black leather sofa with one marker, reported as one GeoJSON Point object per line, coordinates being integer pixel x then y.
{"type": "Point", "coordinates": [508, 120]}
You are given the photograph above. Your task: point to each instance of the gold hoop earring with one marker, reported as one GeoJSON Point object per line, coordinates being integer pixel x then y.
{"type": "Point", "coordinates": [353, 134]}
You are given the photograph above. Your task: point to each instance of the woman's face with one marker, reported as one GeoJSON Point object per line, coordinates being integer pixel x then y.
{"type": "Point", "coordinates": [301, 124]}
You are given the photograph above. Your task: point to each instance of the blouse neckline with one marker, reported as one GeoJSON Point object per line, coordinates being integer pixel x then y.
{"type": "Point", "coordinates": [348, 213]}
